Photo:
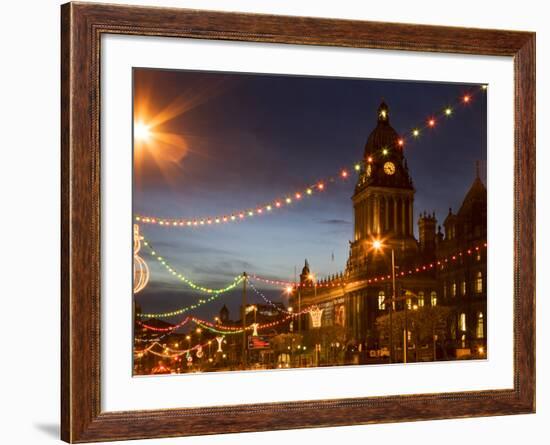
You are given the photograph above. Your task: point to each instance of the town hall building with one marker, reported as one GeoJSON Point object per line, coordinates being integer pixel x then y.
{"type": "Point", "coordinates": [445, 267]}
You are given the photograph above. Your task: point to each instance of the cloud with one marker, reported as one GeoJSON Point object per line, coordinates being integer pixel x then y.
{"type": "Point", "coordinates": [335, 222]}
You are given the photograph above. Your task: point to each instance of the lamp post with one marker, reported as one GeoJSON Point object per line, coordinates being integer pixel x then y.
{"type": "Point", "coordinates": [244, 320]}
{"type": "Point", "coordinates": [377, 245]}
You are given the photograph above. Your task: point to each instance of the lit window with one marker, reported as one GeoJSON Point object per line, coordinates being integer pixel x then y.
{"type": "Point", "coordinates": [463, 287]}
{"type": "Point", "coordinates": [421, 299]}
{"type": "Point", "coordinates": [480, 327]}
{"type": "Point", "coordinates": [478, 256]}
{"type": "Point", "coordinates": [453, 289]}
{"type": "Point", "coordinates": [433, 298]}
{"type": "Point", "coordinates": [479, 282]}
{"type": "Point", "coordinates": [381, 301]}
{"type": "Point", "coordinates": [462, 322]}
{"type": "Point", "coordinates": [409, 303]}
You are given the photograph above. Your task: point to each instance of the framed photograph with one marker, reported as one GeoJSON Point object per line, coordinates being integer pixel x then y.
{"type": "Point", "coordinates": [279, 222]}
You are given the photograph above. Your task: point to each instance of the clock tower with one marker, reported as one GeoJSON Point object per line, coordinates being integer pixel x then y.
{"type": "Point", "coordinates": [383, 198]}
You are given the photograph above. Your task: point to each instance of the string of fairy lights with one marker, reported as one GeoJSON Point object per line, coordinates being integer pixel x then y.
{"type": "Point", "coordinates": [312, 189]}
{"type": "Point", "coordinates": [236, 280]}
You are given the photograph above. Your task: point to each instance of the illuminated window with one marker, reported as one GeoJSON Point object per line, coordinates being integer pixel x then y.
{"type": "Point", "coordinates": [463, 287]}
{"type": "Point", "coordinates": [409, 303]}
{"type": "Point", "coordinates": [462, 322]}
{"type": "Point", "coordinates": [453, 289]}
{"type": "Point", "coordinates": [433, 298]}
{"type": "Point", "coordinates": [381, 301]}
{"type": "Point", "coordinates": [421, 299]}
{"type": "Point", "coordinates": [478, 256]}
{"type": "Point", "coordinates": [480, 327]}
{"type": "Point", "coordinates": [479, 283]}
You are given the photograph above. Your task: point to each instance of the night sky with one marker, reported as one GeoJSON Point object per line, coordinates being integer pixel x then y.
{"type": "Point", "coordinates": [224, 142]}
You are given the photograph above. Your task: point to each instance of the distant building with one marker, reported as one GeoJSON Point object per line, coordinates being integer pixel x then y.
{"type": "Point", "coordinates": [383, 203]}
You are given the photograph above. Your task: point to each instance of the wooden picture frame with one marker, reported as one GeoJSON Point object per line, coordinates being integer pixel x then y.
{"type": "Point", "coordinates": [82, 26]}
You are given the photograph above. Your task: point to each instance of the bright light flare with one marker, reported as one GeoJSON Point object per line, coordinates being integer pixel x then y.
{"type": "Point", "coordinates": [142, 132]}
{"type": "Point", "coordinates": [377, 244]}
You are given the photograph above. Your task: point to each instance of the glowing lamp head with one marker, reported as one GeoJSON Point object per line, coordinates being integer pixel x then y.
{"type": "Point", "coordinates": [466, 99]}
{"type": "Point", "coordinates": [288, 290]}
{"type": "Point", "coordinates": [311, 277]}
{"type": "Point", "coordinates": [416, 132]}
{"type": "Point", "coordinates": [142, 132]}
{"type": "Point", "coordinates": [431, 122]}
{"type": "Point", "coordinates": [377, 244]}
{"type": "Point", "coordinates": [448, 111]}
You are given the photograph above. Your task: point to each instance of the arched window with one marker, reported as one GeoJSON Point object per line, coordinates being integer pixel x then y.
{"type": "Point", "coordinates": [480, 326]}
{"type": "Point", "coordinates": [420, 299]}
{"type": "Point", "coordinates": [433, 298]}
{"type": "Point", "coordinates": [462, 322]}
{"type": "Point", "coordinates": [381, 300]}
{"type": "Point", "coordinates": [479, 283]}
{"type": "Point", "coordinates": [463, 287]}
{"type": "Point", "coordinates": [453, 289]}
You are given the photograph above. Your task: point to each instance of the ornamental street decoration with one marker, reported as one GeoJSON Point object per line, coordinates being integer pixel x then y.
{"type": "Point", "coordinates": [141, 270]}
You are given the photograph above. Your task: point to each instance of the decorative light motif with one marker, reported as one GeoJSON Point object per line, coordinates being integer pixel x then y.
{"type": "Point", "coordinates": [141, 270]}
{"type": "Point", "coordinates": [220, 342]}
{"type": "Point", "coordinates": [316, 314]}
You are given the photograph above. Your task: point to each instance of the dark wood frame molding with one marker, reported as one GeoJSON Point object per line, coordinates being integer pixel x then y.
{"type": "Point", "coordinates": [81, 28]}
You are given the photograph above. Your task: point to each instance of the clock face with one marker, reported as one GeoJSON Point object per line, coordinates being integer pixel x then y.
{"type": "Point", "coordinates": [389, 168]}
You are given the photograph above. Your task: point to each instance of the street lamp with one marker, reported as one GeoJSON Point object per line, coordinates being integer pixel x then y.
{"type": "Point", "coordinates": [377, 245]}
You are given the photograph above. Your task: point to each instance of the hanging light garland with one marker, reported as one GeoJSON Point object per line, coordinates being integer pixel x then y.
{"type": "Point", "coordinates": [267, 300]}
{"type": "Point", "coordinates": [167, 329]}
{"type": "Point", "coordinates": [149, 340]}
{"type": "Point", "coordinates": [289, 285]}
{"type": "Point", "coordinates": [314, 188]}
{"type": "Point", "coordinates": [236, 280]}
{"type": "Point", "coordinates": [229, 330]}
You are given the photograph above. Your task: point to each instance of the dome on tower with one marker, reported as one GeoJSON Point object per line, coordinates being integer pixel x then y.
{"type": "Point", "coordinates": [383, 134]}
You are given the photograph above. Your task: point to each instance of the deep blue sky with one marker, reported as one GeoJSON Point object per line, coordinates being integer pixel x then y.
{"type": "Point", "coordinates": [252, 138]}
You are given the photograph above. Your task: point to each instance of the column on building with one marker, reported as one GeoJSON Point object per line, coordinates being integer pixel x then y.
{"type": "Point", "coordinates": [411, 227]}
